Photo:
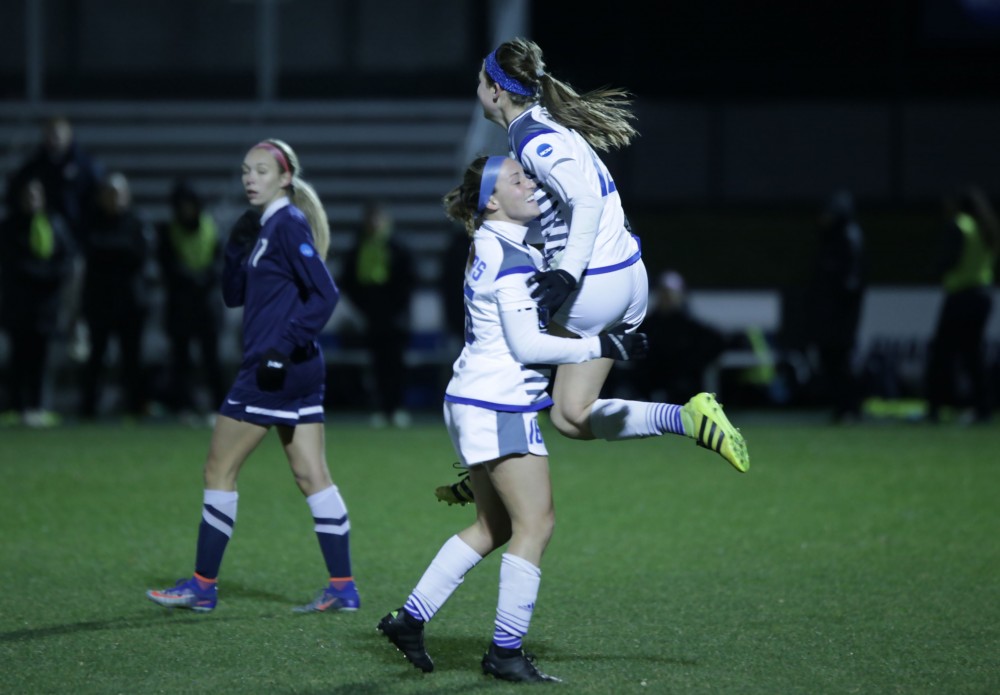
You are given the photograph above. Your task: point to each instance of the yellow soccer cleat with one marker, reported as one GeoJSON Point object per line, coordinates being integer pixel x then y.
{"type": "Point", "coordinates": [705, 421]}
{"type": "Point", "coordinates": [457, 493]}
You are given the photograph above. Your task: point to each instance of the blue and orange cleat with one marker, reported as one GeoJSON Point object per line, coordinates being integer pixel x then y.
{"type": "Point", "coordinates": [332, 600]}
{"type": "Point", "coordinates": [187, 593]}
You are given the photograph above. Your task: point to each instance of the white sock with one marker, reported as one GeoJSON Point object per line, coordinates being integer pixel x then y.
{"type": "Point", "coordinates": [329, 511]}
{"type": "Point", "coordinates": [224, 502]}
{"type": "Point", "coordinates": [614, 419]}
{"type": "Point", "coordinates": [441, 578]}
{"type": "Point", "coordinates": [519, 581]}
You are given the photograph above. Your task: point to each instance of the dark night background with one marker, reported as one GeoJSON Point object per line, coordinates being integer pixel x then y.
{"type": "Point", "coordinates": [750, 114]}
{"type": "Point", "coordinates": [766, 50]}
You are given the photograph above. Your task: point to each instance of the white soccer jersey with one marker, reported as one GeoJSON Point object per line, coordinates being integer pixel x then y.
{"type": "Point", "coordinates": [575, 182]}
{"type": "Point", "coordinates": [503, 364]}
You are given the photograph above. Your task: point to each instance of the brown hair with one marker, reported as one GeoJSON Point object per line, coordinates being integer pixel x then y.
{"type": "Point", "coordinates": [461, 203]}
{"type": "Point", "coordinates": [601, 116]}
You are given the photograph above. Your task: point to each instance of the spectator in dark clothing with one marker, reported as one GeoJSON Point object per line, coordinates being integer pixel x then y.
{"type": "Point", "coordinates": [970, 245]}
{"type": "Point", "coordinates": [378, 277]}
{"type": "Point", "coordinates": [36, 252]}
{"type": "Point", "coordinates": [839, 282]}
{"type": "Point", "coordinates": [68, 174]}
{"type": "Point", "coordinates": [190, 256]}
{"type": "Point", "coordinates": [70, 177]}
{"type": "Point", "coordinates": [118, 250]}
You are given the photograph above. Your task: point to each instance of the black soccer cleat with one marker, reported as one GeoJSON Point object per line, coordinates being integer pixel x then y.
{"type": "Point", "coordinates": [519, 668]}
{"type": "Point", "coordinates": [407, 638]}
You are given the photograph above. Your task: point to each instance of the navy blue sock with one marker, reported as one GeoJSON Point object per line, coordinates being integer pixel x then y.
{"type": "Point", "coordinates": [333, 531]}
{"type": "Point", "coordinates": [218, 517]}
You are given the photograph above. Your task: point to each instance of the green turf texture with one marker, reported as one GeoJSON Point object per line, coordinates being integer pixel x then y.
{"type": "Point", "coordinates": [862, 559]}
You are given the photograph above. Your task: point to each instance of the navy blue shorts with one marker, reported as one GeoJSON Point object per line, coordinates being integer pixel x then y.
{"type": "Point", "coordinates": [263, 408]}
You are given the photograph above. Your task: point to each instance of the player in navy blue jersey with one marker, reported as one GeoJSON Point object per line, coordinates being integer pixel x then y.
{"type": "Point", "coordinates": [275, 269]}
{"type": "Point", "coordinates": [593, 279]}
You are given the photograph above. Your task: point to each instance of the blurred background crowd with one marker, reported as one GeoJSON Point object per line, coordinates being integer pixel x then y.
{"type": "Point", "coordinates": [814, 188]}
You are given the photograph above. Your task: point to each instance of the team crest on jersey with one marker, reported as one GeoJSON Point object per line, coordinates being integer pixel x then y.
{"type": "Point", "coordinates": [544, 150]}
{"type": "Point", "coordinates": [307, 250]}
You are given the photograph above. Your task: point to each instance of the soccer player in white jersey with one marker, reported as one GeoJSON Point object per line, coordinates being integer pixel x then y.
{"type": "Point", "coordinates": [491, 411]}
{"type": "Point", "coordinates": [594, 278]}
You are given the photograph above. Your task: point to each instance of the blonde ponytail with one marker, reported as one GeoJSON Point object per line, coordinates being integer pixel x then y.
{"type": "Point", "coordinates": [304, 197]}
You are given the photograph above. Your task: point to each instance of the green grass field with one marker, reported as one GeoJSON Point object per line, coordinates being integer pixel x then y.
{"type": "Point", "coordinates": [862, 559]}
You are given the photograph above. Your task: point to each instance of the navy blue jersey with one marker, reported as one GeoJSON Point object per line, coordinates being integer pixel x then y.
{"type": "Point", "coordinates": [287, 295]}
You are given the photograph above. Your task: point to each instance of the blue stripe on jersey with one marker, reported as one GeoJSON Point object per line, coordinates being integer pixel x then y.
{"type": "Point", "coordinates": [467, 291]}
{"type": "Point", "coordinates": [511, 437]}
{"type": "Point", "coordinates": [607, 185]}
{"type": "Point", "coordinates": [533, 131]}
{"type": "Point", "coordinates": [502, 407]}
{"type": "Point", "coordinates": [515, 258]}
{"type": "Point", "coordinates": [539, 381]}
{"type": "Point", "coordinates": [549, 205]}
{"type": "Point", "coordinates": [517, 270]}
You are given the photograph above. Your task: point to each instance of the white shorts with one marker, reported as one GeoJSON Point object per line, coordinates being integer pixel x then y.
{"type": "Point", "coordinates": [480, 435]}
{"type": "Point", "coordinates": [607, 300]}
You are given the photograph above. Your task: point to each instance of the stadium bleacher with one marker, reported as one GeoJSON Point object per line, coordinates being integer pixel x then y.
{"type": "Point", "coordinates": [406, 154]}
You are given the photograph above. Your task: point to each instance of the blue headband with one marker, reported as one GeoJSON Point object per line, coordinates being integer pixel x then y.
{"type": "Point", "coordinates": [496, 72]}
{"type": "Point", "coordinates": [489, 181]}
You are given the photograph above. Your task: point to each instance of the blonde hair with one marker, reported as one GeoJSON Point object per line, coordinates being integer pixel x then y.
{"type": "Point", "coordinates": [304, 197]}
{"type": "Point", "coordinates": [601, 116]}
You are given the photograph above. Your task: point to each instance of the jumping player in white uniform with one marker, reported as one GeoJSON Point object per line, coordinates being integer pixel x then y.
{"type": "Point", "coordinates": [594, 279]}
{"type": "Point", "coordinates": [491, 410]}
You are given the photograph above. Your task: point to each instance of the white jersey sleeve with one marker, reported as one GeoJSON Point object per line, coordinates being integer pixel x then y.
{"type": "Point", "coordinates": [566, 180]}
{"type": "Point", "coordinates": [530, 345]}
{"type": "Point", "coordinates": [583, 223]}
{"type": "Point", "coordinates": [505, 362]}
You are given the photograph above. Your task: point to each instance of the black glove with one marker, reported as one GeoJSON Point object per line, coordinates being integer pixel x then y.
{"type": "Point", "coordinates": [245, 230]}
{"type": "Point", "coordinates": [624, 346]}
{"type": "Point", "coordinates": [552, 287]}
{"type": "Point", "coordinates": [272, 370]}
